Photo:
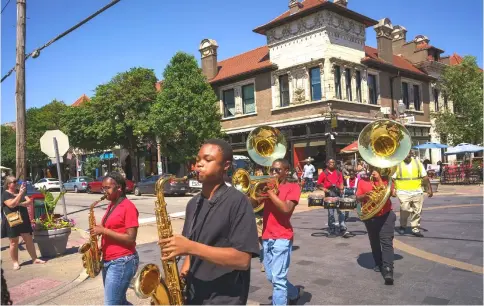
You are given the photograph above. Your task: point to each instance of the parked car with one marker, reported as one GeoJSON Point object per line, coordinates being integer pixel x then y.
{"type": "Point", "coordinates": [77, 184]}
{"type": "Point", "coordinates": [48, 184]}
{"type": "Point", "coordinates": [147, 186]}
{"type": "Point", "coordinates": [96, 185]}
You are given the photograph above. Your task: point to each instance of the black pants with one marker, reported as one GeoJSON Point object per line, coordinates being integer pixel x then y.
{"type": "Point", "coordinates": [381, 231]}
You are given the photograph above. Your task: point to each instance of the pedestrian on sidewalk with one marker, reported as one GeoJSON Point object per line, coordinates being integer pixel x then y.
{"type": "Point", "coordinates": [308, 173]}
{"type": "Point", "coordinates": [118, 230]}
{"type": "Point", "coordinates": [278, 234]}
{"type": "Point", "coordinates": [380, 228]}
{"type": "Point", "coordinates": [14, 207]}
{"type": "Point", "coordinates": [219, 235]}
{"type": "Point", "coordinates": [408, 182]}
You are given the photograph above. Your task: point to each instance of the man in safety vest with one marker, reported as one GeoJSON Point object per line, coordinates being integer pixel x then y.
{"type": "Point", "coordinates": [408, 184]}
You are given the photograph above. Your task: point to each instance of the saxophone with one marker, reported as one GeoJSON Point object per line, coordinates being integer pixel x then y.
{"type": "Point", "coordinates": [91, 254]}
{"type": "Point", "coordinates": [148, 281]}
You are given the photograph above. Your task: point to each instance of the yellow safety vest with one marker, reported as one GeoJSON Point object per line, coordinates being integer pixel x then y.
{"type": "Point", "coordinates": [407, 180]}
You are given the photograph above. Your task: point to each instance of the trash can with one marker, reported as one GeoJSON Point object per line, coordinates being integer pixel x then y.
{"type": "Point", "coordinates": [39, 208]}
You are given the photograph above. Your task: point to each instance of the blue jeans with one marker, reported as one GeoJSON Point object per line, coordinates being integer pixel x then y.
{"type": "Point", "coordinates": [277, 256]}
{"type": "Point", "coordinates": [308, 184]}
{"type": "Point", "coordinates": [117, 275]}
{"type": "Point", "coordinates": [332, 220]}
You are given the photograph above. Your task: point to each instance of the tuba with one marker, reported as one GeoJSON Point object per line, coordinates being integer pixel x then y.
{"type": "Point", "coordinates": [91, 254]}
{"type": "Point", "coordinates": [264, 144]}
{"type": "Point", "coordinates": [383, 144]}
{"type": "Point", "coordinates": [148, 281]}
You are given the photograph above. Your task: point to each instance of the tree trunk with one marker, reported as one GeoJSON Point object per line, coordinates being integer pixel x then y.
{"type": "Point", "coordinates": [134, 164]}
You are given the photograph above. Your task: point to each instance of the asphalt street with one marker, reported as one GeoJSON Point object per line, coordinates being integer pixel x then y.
{"type": "Point", "coordinates": [78, 207]}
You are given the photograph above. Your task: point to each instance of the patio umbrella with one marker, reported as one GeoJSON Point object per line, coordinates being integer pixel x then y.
{"type": "Point", "coordinates": [352, 148]}
{"type": "Point", "coordinates": [464, 148]}
{"type": "Point", "coordinates": [431, 145]}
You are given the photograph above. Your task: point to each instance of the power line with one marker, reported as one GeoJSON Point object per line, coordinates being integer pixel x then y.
{"type": "Point", "coordinates": [4, 7]}
{"type": "Point", "coordinates": [36, 52]}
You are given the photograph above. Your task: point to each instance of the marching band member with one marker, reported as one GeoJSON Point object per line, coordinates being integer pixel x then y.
{"type": "Point", "coordinates": [408, 183]}
{"type": "Point", "coordinates": [381, 227]}
{"type": "Point", "coordinates": [118, 228]}
{"type": "Point", "coordinates": [350, 188]}
{"type": "Point", "coordinates": [278, 234]}
{"type": "Point", "coordinates": [331, 181]}
{"type": "Point", "coordinates": [219, 235]}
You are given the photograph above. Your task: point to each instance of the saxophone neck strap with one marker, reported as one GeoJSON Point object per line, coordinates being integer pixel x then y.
{"type": "Point", "coordinates": [119, 200]}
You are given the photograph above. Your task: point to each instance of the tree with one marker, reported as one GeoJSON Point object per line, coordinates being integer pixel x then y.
{"type": "Point", "coordinates": [186, 110]}
{"type": "Point", "coordinates": [39, 120]}
{"type": "Point", "coordinates": [116, 114]}
{"type": "Point", "coordinates": [91, 165]}
{"type": "Point", "coordinates": [463, 86]}
{"type": "Point", "coordinates": [8, 147]}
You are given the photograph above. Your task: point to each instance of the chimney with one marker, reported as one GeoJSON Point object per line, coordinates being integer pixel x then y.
{"type": "Point", "coordinates": [399, 37]}
{"type": "Point", "coordinates": [383, 31]}
{"type": "Point", "coordinates": [343, 3]}
{"type": "Point", "coordinates": [294, 6]}
{"type": "Point", "coordinates": [421, 40]}
{"type": "Point", "coordinates": [208, 50]}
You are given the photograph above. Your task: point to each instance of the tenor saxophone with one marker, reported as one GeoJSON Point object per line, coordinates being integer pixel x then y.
{"type": "Point", "coordinates": [91, 254]}
{"type": "Point", "coordinates": [148, 281]}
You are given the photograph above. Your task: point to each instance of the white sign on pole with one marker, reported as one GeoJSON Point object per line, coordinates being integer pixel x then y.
{"type": "Point", "coordinates": [409, 119]}
{"type": "Point", "coordinates": [54, 160]}
{"type": "Point", "coordinates": [47, 142]}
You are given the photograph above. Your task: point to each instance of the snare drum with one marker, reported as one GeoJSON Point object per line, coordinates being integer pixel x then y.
{"type": "Point", "coordinates": [331, 202]}
{"type": "Point", "coordinates": [315, 199]}
{"type": "Point", "coordinates": [347, 203]}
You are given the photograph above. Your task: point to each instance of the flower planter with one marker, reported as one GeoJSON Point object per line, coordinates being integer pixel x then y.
{"type": "Point", "coordinates": [52, 243]}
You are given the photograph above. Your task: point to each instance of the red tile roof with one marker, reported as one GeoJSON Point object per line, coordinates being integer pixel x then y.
{"type": "Point", "coordinates": [81, 100]}
{"type": "Point", "coordinates": [455, 59]}
{"type": "Point", "coordinates": [250, 61]}
{"type": "Point", "coordinates": [307, 7]}
{"type": "Point", "coordinates": [398, 61]}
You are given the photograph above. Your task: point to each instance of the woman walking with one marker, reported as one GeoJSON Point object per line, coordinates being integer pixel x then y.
{"type": "Point", "coordinates": [14, 207]}
{"type": "Point", "coordinates": [118, 228]}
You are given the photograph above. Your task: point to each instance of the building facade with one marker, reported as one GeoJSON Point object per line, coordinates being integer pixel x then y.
{"type": "Point", "coordinates": [319, 83]}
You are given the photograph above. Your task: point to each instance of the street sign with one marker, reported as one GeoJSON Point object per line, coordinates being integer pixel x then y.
{"type": "Point", "coordinates": [47, 142]}
{"type": "Point", "coordinates": [408, 119]}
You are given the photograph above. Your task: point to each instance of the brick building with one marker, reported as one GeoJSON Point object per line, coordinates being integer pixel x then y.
{"type": "Point", "coordinates": [316, 66]}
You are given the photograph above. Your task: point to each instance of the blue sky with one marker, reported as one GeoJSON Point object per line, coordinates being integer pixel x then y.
{"type": "Point", "coordinates": [148, 32]}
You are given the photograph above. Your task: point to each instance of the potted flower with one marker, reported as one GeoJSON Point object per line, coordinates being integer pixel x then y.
{"type": "Point", "coordinates": [51, 231]}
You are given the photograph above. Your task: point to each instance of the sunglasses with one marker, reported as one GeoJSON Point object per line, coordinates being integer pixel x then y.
{"type": "Point", "coordinates": [278, 170]}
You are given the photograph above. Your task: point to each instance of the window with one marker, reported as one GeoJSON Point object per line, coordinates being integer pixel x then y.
{"type": "Point", "coordinates": [446, 103]}
{"type": "Point", "coordinates": [284, 90]}
{"type": "Point", "coordinates": [372, 89]}
{"type": "Point", "coordinates": [358, 86]}
{"type": "Point", "coordinates": [436, 99]}
{"type": "Point", "coordinates": [229, 103]}
{"type": "Point", "coordinates": [315, 75]}
{"type": "Point", "coordinates": [349, 96]}
{"type": "Point", "coordinates": [416, 97]}
{"type": "Point", "coordinates": [337, 81]}
{"type": "Point", "coordinates": [405, 94]}
{"type": "Point", "coordinates": [248, 102]}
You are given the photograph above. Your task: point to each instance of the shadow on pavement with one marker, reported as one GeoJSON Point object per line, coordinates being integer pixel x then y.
{"type": "Point", "coordinates": [366, 261]}
{"type": "Point", "coordinates": [303, 300]}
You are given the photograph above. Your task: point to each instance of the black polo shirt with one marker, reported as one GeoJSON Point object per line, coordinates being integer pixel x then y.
{"type": "Point", "coordinates": [227, 220]}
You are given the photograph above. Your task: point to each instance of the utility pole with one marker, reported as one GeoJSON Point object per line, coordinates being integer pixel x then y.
{"type": "Point", "coordinates": [21, 167]}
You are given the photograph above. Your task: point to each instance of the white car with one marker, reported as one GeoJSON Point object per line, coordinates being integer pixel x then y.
{"type": "Point", "coordinates": [47, 183]}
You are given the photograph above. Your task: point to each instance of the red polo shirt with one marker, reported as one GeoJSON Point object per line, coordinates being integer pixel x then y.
{"type": "Point", "coordinates": [333, 178]}
{"type": "Point", "coordinates": [365, 185]}
{"type": "Point", "coordinates": [276, 224]}
{"type": "Point", "coordinates": [124, 216]}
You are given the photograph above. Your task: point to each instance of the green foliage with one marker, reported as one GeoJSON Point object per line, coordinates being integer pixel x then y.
{"type": "Point", "coordinates": [39, 120]}
{"type": "Point", "coordinates": [50, 202]}
{"type": "Point", "coordinates": [91, 165]}
{"type": "Point", "coordinates": [8, 146]}
{"type": "Point", "coordinates": [463, 85]}
{"type": "Point", "coordinates": [186, 110]}
{"type": "Point", "coordinates": [116, 115]}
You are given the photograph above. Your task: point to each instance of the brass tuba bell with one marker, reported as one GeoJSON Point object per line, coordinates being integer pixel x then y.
{"type": "Point", "coordinates": [264, 144]}
{"type": "Point", "coordinates": [383, 144]}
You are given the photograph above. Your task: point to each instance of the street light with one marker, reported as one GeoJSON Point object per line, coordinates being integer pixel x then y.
{"type": "Point", "coordinates": [401, 107]}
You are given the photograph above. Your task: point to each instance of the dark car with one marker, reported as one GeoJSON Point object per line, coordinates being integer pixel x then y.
{"type": "Point", "coordinates": [147, 186]}
{"type": "Point", "coordinates": [96, 186]}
